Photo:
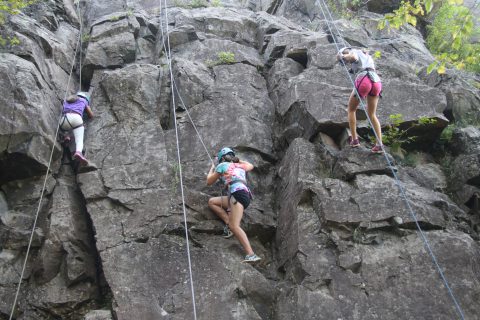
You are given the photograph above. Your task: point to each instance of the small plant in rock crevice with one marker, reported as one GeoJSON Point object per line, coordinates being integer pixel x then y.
{"type": "Point", "coordinates": [180, 4]}
{"type": "Point", "coordinates": [396, 137]}
{"type": "Point", "coordinates": [175, 178]}
{"type": "Point", "coordinates": [447, 133]}
{"type": "Point", "coordinates": [195, 4]}
{"type": "Point", "coordinates": [86, 37]}
{"type": "Point", "coordinates": [198, 4]}
{"type": "Point", "coordinates": [216, 3]}
{"type": "Point", "coordinates": [223, 57]}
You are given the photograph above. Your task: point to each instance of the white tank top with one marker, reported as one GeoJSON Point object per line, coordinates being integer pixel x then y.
{"type": "Point", "coordinates": [364, 61]}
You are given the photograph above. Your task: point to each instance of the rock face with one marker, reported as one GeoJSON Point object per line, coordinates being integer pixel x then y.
{"type": "Point", "coordinates": [335, 236]}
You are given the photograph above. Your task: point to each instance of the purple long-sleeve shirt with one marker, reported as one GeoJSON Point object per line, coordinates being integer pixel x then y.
{"type": "Point", "coordinates": [77, 106]}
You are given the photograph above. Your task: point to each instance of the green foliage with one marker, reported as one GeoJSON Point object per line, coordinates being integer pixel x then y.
{"type": "Point", "coordinates": [14, 41]}
{"type": "Point", "coordinates": [426, 120]}
{"type": "Point", "coordinates": [226, 57]}
{"type": "Point", "coordinates": [193, 4]}
{"type": "Point", "coordinates": [412, 159]}
{"type": "Point", "coordinates": [175, 178]}
{"type": "Point", "coordinates": [85, 37]}
{"type": "Point", "coordinates": [129, 11]}
{"type": "Point", "coordinates": [11, 41]}
{"type": "Point", "coordinates": [345, 8]}
{"type": "Point", "coordinates": [447, 133]}
{"type": "Point", "coordinates": [198, 4]}
{"type": "Point", "coordinates": [11, 7]}
{"type": "Point", "coordinates": [216, 3]}
{"type": "Point", "coordinates": [180, 4]}
{"type": "Point", "coordinates": [114, 18]}
{"type": "Point", "coordinates": [449, 37]}
{"type": "Point", "coordinates": [377, 54]}
{"type": "Point", "coordinates": [395, 137]}
{"type": "Point", "coordinates": [223, 57]}
{"type": "Point", "coordinates": [406, 13]}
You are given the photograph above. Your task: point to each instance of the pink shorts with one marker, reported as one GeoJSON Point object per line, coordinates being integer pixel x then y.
{"type": "Point", "coordinates": [365, 86]}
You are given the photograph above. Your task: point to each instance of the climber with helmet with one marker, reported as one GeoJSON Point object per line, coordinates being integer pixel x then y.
{"type": "Point", "coordinates": [232, 171]}
{"type": "Point", "coordinates": [73, 109]}
{"type": "Point", "coordinates": [367, 85]}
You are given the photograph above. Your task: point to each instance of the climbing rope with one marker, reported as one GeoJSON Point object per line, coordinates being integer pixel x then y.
{"type": "Point", "coordinates": [390, 166]}
{"type": "Point", "coordinates": [168, 53]}
{"type": "Point", "coordinates": [45, 180]}
{"type": "Point", "coordinates": [81, 47]}
{"type": "Point", "coordinates": [190, 118]}
{"type": "Point", "coordinates": [184, 106]}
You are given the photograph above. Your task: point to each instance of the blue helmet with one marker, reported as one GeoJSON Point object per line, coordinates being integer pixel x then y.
{"type": "Point", "coordinates": [84, 95]}
{"type": "Point", "coordinates": [223, 152]}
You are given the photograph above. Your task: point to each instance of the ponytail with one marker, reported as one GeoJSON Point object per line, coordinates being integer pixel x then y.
{"type": "Point", "coordinates": [72, 98]}
{"type": "Point", "coordinates": [231, 158]}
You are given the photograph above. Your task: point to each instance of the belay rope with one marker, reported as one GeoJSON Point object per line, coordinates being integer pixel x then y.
{"type": "Point", "coordinates": [22, 273]}
{"type": "Point", "coordinates": [390, 166]}
{"type": "Point", "coordinates": [168, 54]}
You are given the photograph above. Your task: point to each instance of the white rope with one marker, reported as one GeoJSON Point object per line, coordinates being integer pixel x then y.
{"type": "Point", "coordinates": [184, 106]}
{"type": "Point", "coordinates": [169, 57]}
{"type": "Point", "coordinates": [44, 186]}
{"type": "Point", "coordinates": [81, 46]}
{"type": "Point", "coordinates": [397, 180]}
{"type": "Point", "coordinates": [193, 124]}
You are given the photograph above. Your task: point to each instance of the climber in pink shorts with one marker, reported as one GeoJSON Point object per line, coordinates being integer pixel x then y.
{"type": "Point", "coordinates": [369, 86]}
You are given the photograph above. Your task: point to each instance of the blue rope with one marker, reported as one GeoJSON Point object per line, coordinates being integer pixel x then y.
{"type": "Point", "coordinates": [397, 180]}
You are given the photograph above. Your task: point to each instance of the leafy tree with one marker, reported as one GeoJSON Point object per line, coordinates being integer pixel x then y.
{"type": "Point", "coordinates": [454, 24]}
{"type": "Point", "coordinates": [11, 7]}
{"type": "Point", "coordinates": [450, 36]}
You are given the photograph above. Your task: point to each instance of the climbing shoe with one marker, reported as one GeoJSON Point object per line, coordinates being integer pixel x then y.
{"type": "Point", "coordinates": [353, 142]}
{"type": "Point", "coordinates": [377, 149]}
{"type": "Point", "coordinates": [227, 233]}
{"type": "Point", "coordinates": [252, 258]}
{"type": "Point", "coordinates": [80, 158]}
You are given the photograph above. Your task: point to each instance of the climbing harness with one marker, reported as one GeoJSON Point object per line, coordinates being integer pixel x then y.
{"type": "Point", "coordinates": [369, 75]}
{"type": "Point", "coordinates": [22, 273]}
{"type": "Point", "coordinates": [394, 173]}
{"type": "Point", "coordinates": [244, 182]}
{"type": "Point", "coordinates": [65, 118]}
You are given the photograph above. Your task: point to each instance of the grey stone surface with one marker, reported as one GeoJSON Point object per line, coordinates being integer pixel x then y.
{"type": "Point", "coordinates": [464, 173]}
{"type": "Point", "coordinates": [463, 100]}
{"type": "Point", "coordinates": [22, 139]}
{"type": "Point", "coordinates": [99, 315]}
{"type": "Point", "coordinates": [335, 237]}
{"type": "Point", "coordinates": [338, 265]}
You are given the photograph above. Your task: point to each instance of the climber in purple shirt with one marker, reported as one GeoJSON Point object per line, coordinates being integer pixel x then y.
{"type": "Point", "coordinates": [72, 120]}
